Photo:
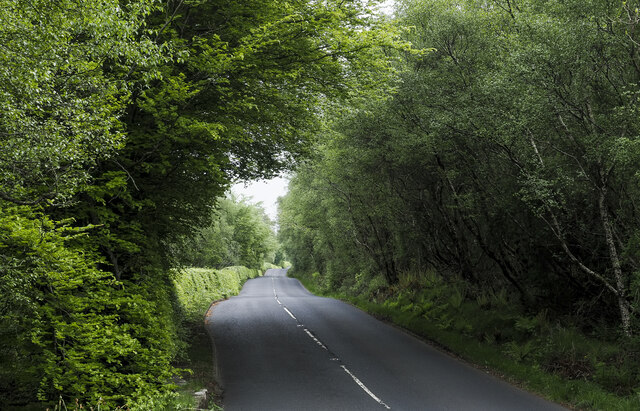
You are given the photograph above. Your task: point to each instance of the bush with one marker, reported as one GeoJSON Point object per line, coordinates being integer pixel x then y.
{"type": "Point", "coordinates": [69, 329]}
{"type": "Point", "coordinates": [197, 288]}
{"type": "Point", "coordinates": [266, 266]}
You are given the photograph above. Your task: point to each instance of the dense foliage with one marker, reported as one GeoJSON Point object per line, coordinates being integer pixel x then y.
{"type": "Point", "coordinates": [67, 326]}
{"type": "Point", "coordinates": [64, 85]}
{"type": "Point", "coordinates": [241, 234]}
{"type": "Point", "coordinates": [197, 288]}
{"type": "Point", "coordinates": [123, 122]}
{"type": "Point", "coordinates": [508, 158]}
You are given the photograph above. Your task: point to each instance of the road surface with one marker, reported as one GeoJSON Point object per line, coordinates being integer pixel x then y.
{"type": "Point", "coordinates": [278, 347]}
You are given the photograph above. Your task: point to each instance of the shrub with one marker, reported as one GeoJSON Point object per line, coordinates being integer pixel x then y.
{"type": "Point", "coordinates": [70, 329]}
{"type": "Point", "coordinates": [197, 288]}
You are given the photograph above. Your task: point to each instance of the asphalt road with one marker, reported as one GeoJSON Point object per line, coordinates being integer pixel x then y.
{"type": "Point", "coordinates": [278, 347]}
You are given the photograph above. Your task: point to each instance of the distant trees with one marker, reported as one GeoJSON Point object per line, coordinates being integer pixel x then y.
{"type": "Point", "coordinates": [240, 234]}
{"type": "Point", "coordinates": [508, 157]}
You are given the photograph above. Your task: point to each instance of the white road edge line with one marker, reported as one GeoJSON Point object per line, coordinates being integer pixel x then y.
{"type": "Point", "coordinates": [364, 387]}
{"type": "Point", "coordinates": [289, 312]}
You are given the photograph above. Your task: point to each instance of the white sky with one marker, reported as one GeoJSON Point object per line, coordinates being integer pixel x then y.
{"type": "Point", "coordinates": [387, 7]}
{"type": "Point", "coordinates": [263, 191]}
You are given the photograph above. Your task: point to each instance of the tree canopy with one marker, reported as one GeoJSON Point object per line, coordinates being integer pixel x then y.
{"type": "Point", "coordinates": [64, 75]}
{"type": "Point", "coordinates": [123, 123]}
{"type": "Point", "coordinates": [508, 157]}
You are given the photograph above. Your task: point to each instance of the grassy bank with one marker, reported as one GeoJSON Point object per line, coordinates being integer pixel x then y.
{"type": "Point", "coordinates": [541, 355]}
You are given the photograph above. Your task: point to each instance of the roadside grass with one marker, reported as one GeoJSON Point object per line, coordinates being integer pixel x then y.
{"type": "Point", "coordinates": [199, 359]}
{"type": "Point", "coordinates": [557, 362]}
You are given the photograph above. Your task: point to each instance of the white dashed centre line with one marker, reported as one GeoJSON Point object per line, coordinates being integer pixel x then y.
{"type": "Point", "coordinates": [364, 387]}
{"type": "Point", "coordinates": [289, 312]}
{"type": "Point", "coordinates": [310, 334]}
{"type": "Point", "coordinates": [275, 295]}
{"type": "Point", "coordinates": [313, 337]}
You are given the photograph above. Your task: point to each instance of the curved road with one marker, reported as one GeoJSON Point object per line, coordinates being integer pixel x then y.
{"type": "Point", "coordinates": [281, 348]}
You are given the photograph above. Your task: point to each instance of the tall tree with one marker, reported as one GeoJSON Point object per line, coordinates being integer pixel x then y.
{"type": "Point", "coordinates": [129, 118]}
{"type": "Point", "coordinates": [247, 85]}
{"type": "Point", "coordinates": [64, 86]}
{"type": "Point", "coordinates": [508, 155]}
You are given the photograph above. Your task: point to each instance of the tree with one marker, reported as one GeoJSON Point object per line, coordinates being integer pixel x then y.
{"type": "Point", "coordinates": [240, 234]}
{"type": "Point", "coordinates": [128, 119]}
{"type": "Point", "coordinates": [64, 86]}
{"type": "Point", "coordinates": [239, 100]}
{"type": "Point", "coordinates": [507, 157]}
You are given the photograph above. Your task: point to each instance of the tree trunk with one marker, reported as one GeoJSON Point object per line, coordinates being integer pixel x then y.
{"type": "Point", "coordinates": [619, 288]}
{"type": "Point", "coordinates": [623, 304]}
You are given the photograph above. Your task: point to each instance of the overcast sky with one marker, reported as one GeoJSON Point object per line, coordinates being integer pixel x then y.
{"type": "Point", "coordinates": [387, 7]}
{"type": "Point", "coordinates": [265, 192]}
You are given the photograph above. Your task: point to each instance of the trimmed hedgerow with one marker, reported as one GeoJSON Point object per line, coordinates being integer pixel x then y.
{"type": "Point", "coordinates": [197, 288]}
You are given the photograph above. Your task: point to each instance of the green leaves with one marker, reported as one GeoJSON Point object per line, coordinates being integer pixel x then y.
{"type": "Point", "coordinates": [64, 86]}
{"type": "Point", "coordinates": [197, 288]}
{"type": "Point", "coordinates": [129, 119]}
{"type": "Point", "coordinates": [68, 328]}
{"type": "Point", "coordinates": [507, 156]}
{"type": "Point", "coordinates": [239, 234]}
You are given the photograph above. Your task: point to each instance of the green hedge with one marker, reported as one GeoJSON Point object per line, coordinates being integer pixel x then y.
{"type": "Point", "coordinates": [70, 331]}
{"type": "Point", "coordinates": [266, 266]}
{"type": "Point", "coordinates": [197, 288]}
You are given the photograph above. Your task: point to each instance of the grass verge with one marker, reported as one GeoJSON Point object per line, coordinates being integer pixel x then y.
{"type": "Point", "coordinates": [199, 360]}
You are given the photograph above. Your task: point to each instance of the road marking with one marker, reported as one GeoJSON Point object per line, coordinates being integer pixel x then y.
{"type": "Point", "coordinates": [310, 334]}
{"type": "Point", "coordinates": [275, 294]}
{"type": "Point", "coordinates": [333, 357]}
{"type": "Point", "coordinates": [289, 312]}
{"type": "Point", "coordinates": [364, 387]}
